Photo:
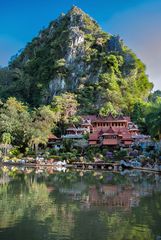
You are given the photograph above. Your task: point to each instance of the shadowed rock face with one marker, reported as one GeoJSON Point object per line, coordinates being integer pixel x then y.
{"type": "Point", "coordinates": [71, 54]}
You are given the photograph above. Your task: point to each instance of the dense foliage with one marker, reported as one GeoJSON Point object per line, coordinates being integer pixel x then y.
{"type": "Point", "coordinates": [26, 128]}
{"type": "Point", "coordinates": [148, 115]}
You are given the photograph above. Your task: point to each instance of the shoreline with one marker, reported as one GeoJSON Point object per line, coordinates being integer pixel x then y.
{"type": "Point", "coordinates": [84, 166]}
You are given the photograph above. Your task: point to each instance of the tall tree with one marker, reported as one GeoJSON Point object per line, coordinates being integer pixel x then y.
{"type": "Point", "coordinates": [15, 119]}
{"type": "Point", "coordinates": [43, 120]}
{"type": "Point", "coordinates": [65, 108]}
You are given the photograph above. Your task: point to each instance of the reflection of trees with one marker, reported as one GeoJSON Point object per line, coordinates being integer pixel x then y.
{"type": "Point", "coordinates": [121, 226]}
{"type": "Point", "coordinates": [141, 223]}
{"type": "Point", "coordinates": [14, 203]}
{"type": "Point", "coordinates": [45, 203]}
{"type": "Point", "coordinates": [32, 201]}
{"type": "Point", "coordinates": [149, 212]}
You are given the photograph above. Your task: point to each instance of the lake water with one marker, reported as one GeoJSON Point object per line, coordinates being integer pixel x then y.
{"type": "Point", "coordinates": [47, 205]}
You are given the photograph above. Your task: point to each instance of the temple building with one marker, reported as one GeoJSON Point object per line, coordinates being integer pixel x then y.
{"type": "Point", "coordinates": [104, 131]}
{"type": "Point", "coordinates": [54, 142]}
{"type": "Point", "coordinates": [74, 132]}
{"type": "Point", "coordinates": [111, 131]}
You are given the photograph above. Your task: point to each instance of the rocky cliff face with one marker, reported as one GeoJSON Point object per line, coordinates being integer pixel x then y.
{"type": "Point", "coordinates": [78, 70]}
{"type": "Point", "coordinates": [74, 54]}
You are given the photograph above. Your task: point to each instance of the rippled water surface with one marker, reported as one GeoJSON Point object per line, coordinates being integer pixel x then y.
{"type": "Point", "coordinates": [47, 205]}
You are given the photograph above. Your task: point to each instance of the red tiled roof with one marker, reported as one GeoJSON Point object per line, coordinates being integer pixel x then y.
{"type": "Point", "coordinates": [110, 130]}
{"type": "Point", "coordinates": [120, 130]}
{"type": "Point", "coordinates": [110, 117]}
{"type": "Point", "coordinates": [52, 136]}
{"type": "Point", "coordinates": [105, 119]}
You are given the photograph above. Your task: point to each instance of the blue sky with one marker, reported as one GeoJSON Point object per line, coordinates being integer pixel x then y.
{"type": "Point", "coordinates": [136, 21]}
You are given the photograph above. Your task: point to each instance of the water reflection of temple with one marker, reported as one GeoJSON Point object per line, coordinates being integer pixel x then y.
{"type": "Point", "coordinates": [113, 196]}
{"type": "Point", "coordinates": [108, 192]}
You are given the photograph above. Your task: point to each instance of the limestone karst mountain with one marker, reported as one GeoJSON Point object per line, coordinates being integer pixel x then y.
{"type": "Point", "coordinates": [74, 54]}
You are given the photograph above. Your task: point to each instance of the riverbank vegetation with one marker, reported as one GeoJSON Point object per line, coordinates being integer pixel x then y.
{"type": "Point", "coordinates": [23, 129]}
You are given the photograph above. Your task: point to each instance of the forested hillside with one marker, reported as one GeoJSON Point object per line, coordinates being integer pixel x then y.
{"type": "Point", "coordinates": [73, 54]}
